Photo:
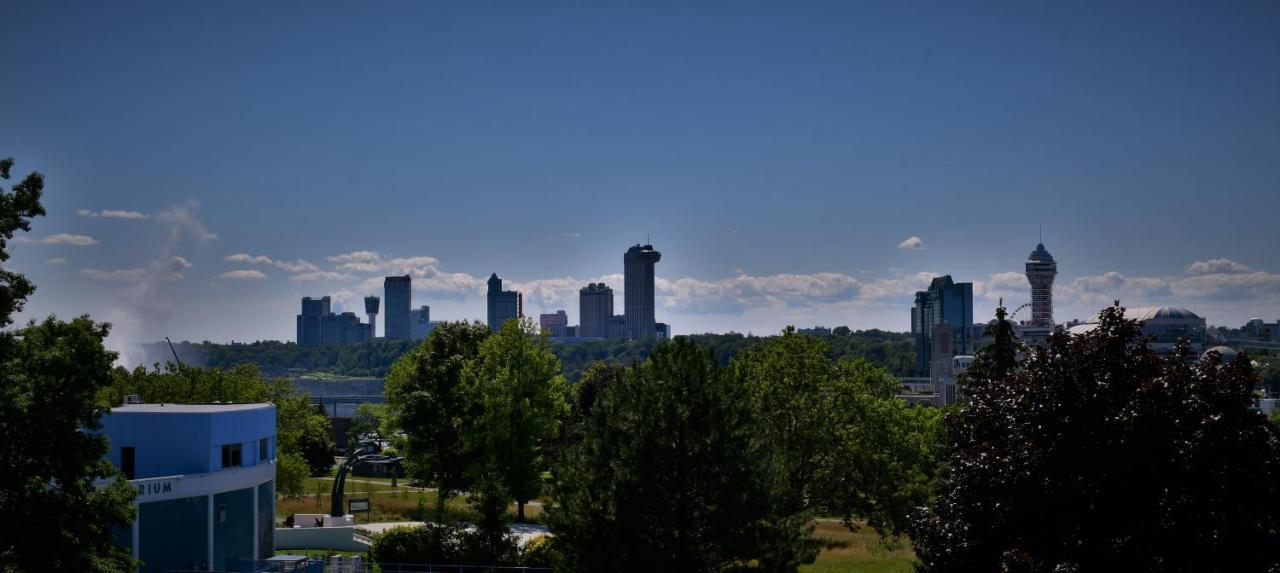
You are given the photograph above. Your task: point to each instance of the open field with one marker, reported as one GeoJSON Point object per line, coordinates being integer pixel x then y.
{"type": "Point", "coordinates": [860, 552]}
{"type": "Point", "coordinates": [398, 504]}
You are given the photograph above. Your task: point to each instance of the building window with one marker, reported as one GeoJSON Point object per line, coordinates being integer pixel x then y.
{"type": "Point", "coordinates": [127, 462]}
{"type": "Point", "coordinates": [262, 449]}
{"type": "Point", "coordinates": [231, 456]}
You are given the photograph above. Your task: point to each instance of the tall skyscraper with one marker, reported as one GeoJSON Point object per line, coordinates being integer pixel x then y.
{"type": "Point", "coordinates": [399, 295]}
{"type": "Point", "coordinates": [637, 268]}
{"type": "Point", "coordinates": [1041, 270]}
{"type": "Point", "coordinates": [371, 309]}
{"type": "Point", "coordinates": [504, 305]}
{"type": "Point", "coordinates": [313, 310]}
{"type": "Point", "coordinates": [595, 306]}
{"type": "Point", "coordinates": [945, 302]}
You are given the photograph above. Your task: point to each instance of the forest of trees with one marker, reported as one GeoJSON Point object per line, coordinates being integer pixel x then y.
{"type": "Point", "coordinates": [892, 351]}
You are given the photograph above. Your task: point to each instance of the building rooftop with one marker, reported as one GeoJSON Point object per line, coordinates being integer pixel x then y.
{"type": "Point", "coordinates": [1159, 312]}
{"type": "Point", "coordinates": [187, 408]}
{"type": "Point", "coordinates": [1040, 255]}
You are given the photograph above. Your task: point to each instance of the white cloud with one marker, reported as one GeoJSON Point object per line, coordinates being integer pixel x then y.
{"type": "Point", "coordinates": [1216, 266]}
{"type": "Point", "coordinates": [67, 239]}
{"type": "Point", "coordinates": [115, 275]}
{"type": "Point", "coordinates": [318, 276]}
{"type": "Point", "coordinates": [113, 214]}
{"type": "Point", "coordinates": [178, 264]}
{"type": "Point", "coordinates": [244, 274]}
{"type": "Point", "coordinates": [571, 235]}
{"type": "Point", "coordinates": [342, 300]}
{"type": "Point", "coordinates": [912, 243]}
{"type": "Point", "coordinates": [56, 261]}
{"type": "Point", "coordinates": [1010, 286]}
{"type": "Point", "coordinates": [296, 266]}
{"type": "Point", "coordinates": [248, 259]}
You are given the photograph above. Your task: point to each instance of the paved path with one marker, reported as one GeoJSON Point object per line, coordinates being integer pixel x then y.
{"type": "Point", "coordinates": [523, 531]}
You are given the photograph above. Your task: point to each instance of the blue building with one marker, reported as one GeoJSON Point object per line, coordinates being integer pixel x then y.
{"type": "Point", "coordinates": [205, 476]}
{"type": "Point", "coordinates": [945, 302]}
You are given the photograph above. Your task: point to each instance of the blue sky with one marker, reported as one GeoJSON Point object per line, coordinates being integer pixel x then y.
{"type": "Point", "coordinates": [776, 153]}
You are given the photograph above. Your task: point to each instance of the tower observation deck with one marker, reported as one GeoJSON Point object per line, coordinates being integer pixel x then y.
{"type": "Point", "coordinates": [1041, 270]}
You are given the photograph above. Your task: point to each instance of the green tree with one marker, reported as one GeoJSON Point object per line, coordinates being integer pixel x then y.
{"type": "Point", "coordinates": [365, 424]}
{"type": "Point", "coordinates": [300, 428]}
{"type": "Point", "coordinates": [667, 475]}
{"type": "Point", "coordinates": [62, 499]}
{"type": "Point", "coordinates": [291, 475]}
{"type": "Point", "coordinates": [837, 442]}
{"type": "Point", "coordinates": [519, 399]}
{"type": "Point", "coordinates": [426, 403]}
{"type": "Point", "coordinates": [1096, 454]}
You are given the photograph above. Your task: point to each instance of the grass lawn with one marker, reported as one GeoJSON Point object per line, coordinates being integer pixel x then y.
{"type": "Point", "coordinates": [400, 504]}
{"type": "Point", "coordinates": [860, 552]}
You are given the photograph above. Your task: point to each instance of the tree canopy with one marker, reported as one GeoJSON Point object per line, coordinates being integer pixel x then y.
{"type": "Point", "coordinates": [64, 500]}
{"type": "Point", "coordinates": [427, 404]}
{"type": "Point", "coordinates": [1095, 453]}
{"type": "Point", "coordinates": [680, 464]}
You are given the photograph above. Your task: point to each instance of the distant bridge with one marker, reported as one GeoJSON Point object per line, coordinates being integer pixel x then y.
{"type": "Point", "coordinates": [345, 406]}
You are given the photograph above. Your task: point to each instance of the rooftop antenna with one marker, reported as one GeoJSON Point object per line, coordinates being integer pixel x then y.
{"type": "Point", "coordinates": [1042, 234]}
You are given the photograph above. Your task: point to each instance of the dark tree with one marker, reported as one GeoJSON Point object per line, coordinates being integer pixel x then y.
{"type": "Point", "coordinates": [667, 476]}
{"type": "Point", "coordinates": [1096, 454]}
{"type": "Point", "coordinates": [60, 499]}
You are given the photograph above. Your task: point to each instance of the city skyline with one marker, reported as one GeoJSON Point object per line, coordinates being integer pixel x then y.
{"type": "Point", "coordinates": [820, 177]}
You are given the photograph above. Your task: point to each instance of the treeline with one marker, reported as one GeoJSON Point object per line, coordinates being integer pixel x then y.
{"type": "Point", "coordinates": [687, 460]}
{"type": "Point", "coordinates": [892, 351]}
{"type": "Point", "coordinates": [303, 443]}
{"type": "Point", "coordinates": [373, 358]}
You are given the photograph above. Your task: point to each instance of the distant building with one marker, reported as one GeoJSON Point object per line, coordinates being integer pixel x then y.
{"type": "Point", "coordinates": [504, 305]}
{"type": "Point", "coordinates": [945, 302]}
{"type": "Point", "coordinates": [595, 307]}
{"type": "Point", "coordinates": [662, 330]}
{"type": "Point", "coordinates": [638, 291]}
{"type": "Point", "coordinates": [1041, 270]}
{"type": "Point", "coordinates": [815, 331]}
{"type": "Point", "coordinates": [617, 326]}
{"type": "Point", "coordinates": [205, 481]}
{"type": "Point", "coordinates": [399, 297]}
{"type": "Point", "coordinates": [342, 328]}
{"type": "Point", "coordinates": [313, 309]}
{"type": "Point", "coordinates": [554, 324]}
{"type": "Point", "coordinates": [419, 322]}
{"type": "Point", "coordinates": [371, 309]}
{"type": "Point", "coordinates": [1165, 325]}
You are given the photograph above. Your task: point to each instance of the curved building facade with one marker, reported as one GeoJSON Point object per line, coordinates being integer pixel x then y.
{"type": "Point", "coordinates": [1165, 325]}
{"type": "Point", "coordinates": [638, 291]}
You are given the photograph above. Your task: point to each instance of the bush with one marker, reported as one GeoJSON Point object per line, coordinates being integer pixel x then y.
{"type": "Point", "coordinates": [539, 552]}
{"type": "Point", "coordinates": [451, 543]}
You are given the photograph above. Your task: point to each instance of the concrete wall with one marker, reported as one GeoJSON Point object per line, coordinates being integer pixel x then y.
{"type": "Point", "coordinates": [335, 538]}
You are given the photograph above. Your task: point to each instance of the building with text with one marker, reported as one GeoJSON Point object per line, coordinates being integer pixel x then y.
{"type": "Point", "coordinates": [205, 481]}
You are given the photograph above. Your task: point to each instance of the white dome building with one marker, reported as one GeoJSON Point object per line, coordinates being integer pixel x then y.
{"type": "Point", "coordinates": [1165, 324]}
